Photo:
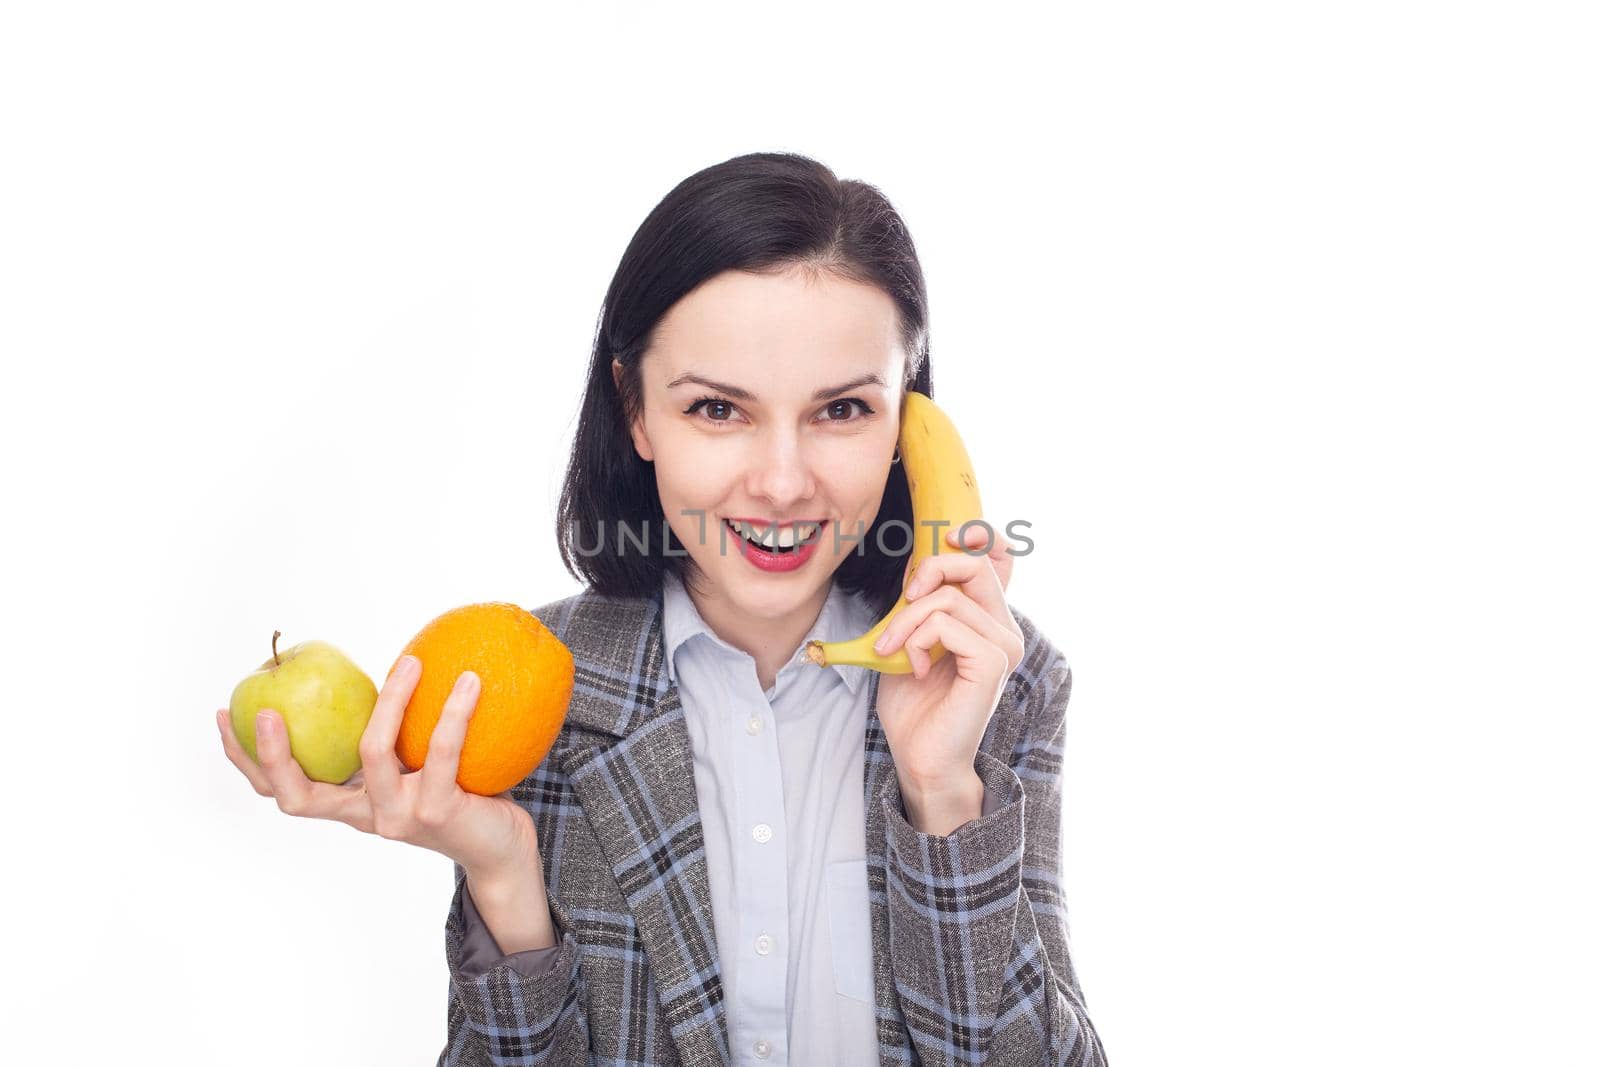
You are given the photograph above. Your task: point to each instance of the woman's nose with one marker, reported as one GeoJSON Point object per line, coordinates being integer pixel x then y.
{"type": "Point", "coordinates": [780, 471]}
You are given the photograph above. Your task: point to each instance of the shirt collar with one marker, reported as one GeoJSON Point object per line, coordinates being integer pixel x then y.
{"type": "Point", "coordinates": [842, 617]}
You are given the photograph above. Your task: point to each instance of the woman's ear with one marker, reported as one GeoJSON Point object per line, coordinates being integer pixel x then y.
{"type": "Point", "coordinates": [641, 443]}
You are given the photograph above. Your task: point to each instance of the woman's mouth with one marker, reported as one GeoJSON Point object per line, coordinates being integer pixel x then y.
{"type": "Point", "coordinates": [776, 557]}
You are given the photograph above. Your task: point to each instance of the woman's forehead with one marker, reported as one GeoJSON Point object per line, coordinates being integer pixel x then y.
{"type": "Point", "coordinates": [754, 321]}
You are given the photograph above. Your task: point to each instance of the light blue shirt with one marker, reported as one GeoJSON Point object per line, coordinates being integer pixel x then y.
{"type": "Point", "coordinates": [779, 777]}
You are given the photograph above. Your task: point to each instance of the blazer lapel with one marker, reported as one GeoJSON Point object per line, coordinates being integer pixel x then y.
{"type": "Point", "coordinates": [631, 765]}
{"type": "Point", "coordinates": [894, 1040]}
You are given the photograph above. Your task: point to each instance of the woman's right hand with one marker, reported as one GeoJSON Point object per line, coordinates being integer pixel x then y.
{"type": "Point", "coordinates": [426, 808]}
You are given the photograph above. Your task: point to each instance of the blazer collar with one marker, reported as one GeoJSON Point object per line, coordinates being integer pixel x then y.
{"type": "Point", "coordinates": [619, 676]}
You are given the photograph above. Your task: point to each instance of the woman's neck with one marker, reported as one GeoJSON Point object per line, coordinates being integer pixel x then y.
{"type": "Point", "coordinates": [771, 642]}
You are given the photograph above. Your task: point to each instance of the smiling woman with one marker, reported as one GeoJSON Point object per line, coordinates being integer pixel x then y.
{"type": "Point", "coordinates": [742, 855]}
{"type": "Point", "coordinates": [801, 435]}
{"type": "Point", "coordinates": [780, 334]}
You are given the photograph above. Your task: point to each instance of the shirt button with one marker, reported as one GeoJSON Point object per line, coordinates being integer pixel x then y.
{"type": "Point", "coordinates": [754, 725]}
{"type": "Point", "coordinates": [764, 944]}
{"type": "Point", "coordinates": [762, 833]}
{"type": "Point", "coordinates": [763, 1048]}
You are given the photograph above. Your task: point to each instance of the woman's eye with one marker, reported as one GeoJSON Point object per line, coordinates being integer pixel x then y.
{"type": "Point", "coordinates": [713, 407]}
{"type": "Point", "coordinates": [844, 407]}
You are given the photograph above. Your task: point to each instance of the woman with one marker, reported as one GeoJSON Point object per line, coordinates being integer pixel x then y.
{"type": "Point", "coordinates": [732, 855]}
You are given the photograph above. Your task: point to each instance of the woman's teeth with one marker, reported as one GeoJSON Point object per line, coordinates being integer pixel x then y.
{"type": "Point", "coordinates": [775, 539]}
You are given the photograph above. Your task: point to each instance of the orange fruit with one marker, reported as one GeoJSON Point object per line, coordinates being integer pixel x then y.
{"type": "Point", "coordinates": [525, 676]}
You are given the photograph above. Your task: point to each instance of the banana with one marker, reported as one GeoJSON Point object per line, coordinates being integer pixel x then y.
{"type": "Point", "coordinates": [943, 487]}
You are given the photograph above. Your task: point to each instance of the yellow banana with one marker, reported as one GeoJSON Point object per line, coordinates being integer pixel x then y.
{"type": "Point", "coordinates": [943, 487]}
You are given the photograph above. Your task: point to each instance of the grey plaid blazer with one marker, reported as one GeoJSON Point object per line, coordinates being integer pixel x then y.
{"type": "Point", "coordinates": [969, 931]}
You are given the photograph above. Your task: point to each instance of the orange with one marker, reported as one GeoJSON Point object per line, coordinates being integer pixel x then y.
{"type": "Point", "coordinates": [525, 676]}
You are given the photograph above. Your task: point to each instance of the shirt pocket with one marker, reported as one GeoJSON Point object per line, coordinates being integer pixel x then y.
{"type": "Point", "coordinates": [850, 927]}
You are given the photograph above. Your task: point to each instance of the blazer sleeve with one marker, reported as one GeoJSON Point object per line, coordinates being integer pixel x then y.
{"type": "Point", "coordinates": [977, 918]}
{"type": "Point", "coordinates": [522, 1008]}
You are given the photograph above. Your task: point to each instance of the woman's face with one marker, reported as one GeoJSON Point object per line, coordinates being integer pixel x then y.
{"type": "Point", "coordinates": [773, 398]}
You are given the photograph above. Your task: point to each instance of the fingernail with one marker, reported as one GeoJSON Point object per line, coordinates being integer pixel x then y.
{"type": "Point", "coordinates": [881, 643]}
{"type": "Point", "coordinates": [467, 683]}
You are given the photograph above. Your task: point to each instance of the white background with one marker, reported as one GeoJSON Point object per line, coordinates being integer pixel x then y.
{"type": "Point", "coordinates": [1276, 320]}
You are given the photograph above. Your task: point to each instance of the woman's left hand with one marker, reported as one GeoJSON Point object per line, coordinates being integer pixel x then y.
{"type": "Point", "coordinates": [934, 718]}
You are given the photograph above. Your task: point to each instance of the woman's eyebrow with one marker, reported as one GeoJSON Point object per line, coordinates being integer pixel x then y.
{"type": "Point", "coordinates": [744, 394]}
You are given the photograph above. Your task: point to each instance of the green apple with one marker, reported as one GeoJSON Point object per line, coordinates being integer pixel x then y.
{"type": "Point", "coordinates": [323, 699]}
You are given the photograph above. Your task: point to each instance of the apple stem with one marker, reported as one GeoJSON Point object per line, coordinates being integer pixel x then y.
{"type": "Point", "coordinates": [275, 661]}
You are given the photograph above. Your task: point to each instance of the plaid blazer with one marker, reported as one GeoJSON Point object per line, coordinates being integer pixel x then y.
{"type": "Point", "coordinates": [969, 931]}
